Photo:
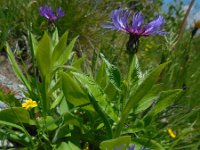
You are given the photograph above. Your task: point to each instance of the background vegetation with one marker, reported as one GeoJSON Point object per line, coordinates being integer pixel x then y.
{"type": "Point", "coordinates": [85, 19]}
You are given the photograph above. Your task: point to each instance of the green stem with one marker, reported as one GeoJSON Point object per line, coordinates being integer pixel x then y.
{"type": "Point", "coordinates": [102, 115]}
{"type": "Point", "coordinates": [120, 125]}
{"type": "Point", "coordinates": [125, 113]}
{"type": "Point", "coordinates": [130, 69]}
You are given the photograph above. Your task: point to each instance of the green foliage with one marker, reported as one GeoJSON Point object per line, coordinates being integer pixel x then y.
{"type": "Point", "coordinates": [90, 93]}
{"type": "Point", "coordinates": [15, 115]}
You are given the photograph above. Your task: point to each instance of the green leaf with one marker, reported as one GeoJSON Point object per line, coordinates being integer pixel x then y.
{"type": "Point", "coordinates": [60, 48]}
{"type": "Point", "coordinates": [48, 122]}
{"type": "Point", "coordinates": [55, 37]}
{"type": "Point", "coordinates": [77, 62]}
{"type": "Point", "coordinates": [101, 77]}
{"type": "Point", "coordinates": [113, 73]}
{"type": "Point", "coordinates": [34, 43]}
{"type": "Point", "coordinates": [140, 92]}
{"type": "Point", "coordinates": [98, 94]}
{"type": "Point", "coordinates": [68, 146]}
{"type": "Point", "coordinates": [121, 143]}
{"type": "Point", "coordinates": [166, 98]}
{"type": "Point", "coordinates": [65, 55]}
{"type": "Point", "coordinates": [150, 143]}
{"type": "Point", "coordinates": [57, 100]}
{"type": "Point", "coordinates": [148, 100]}
{"type": "Point", "coordinates": [17, 127]}
{"type": "Point", "coordinates": [71, 119]}
{"type": "Point", "coordinates": [16, 68]}
{"type": "Point", "coordinates": [103, 116]}
{"type": "Point", "coordinates": [134, 73]}
{"type": "Point", "coordinates": [15, 115]}
{"type": "Point", "coordinates": [63, 130]}
{"type": "Point", "coordinates": [73, 92]}
{"type": "Point", "coordinates": [43, 55]}
{"type": "Point", "coordinates": [14, 136]}
{"type": "Point", "coordinates": [143, 89]}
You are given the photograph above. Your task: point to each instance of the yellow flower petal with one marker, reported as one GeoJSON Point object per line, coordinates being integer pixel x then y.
{"type": "Point", "coordinates": [171, 133]}
{"type": "Point", "coordinates": [29, 103]}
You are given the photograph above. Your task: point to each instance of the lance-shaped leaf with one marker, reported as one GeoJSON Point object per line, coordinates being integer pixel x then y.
{"type": "Point", "coordinates": [34, 44]}
{"type": "Point", "coordinates": [149, 99]}
{"type": "Point", "coordinates": [166, 98]}
{"type": "Point", "coordinates": [43, 55]}
{"type": "Point", "coordinates": [134, 72]}
{"type": "Point", "coordinates": [113, 73]}
{"type": "Point", "coordinates": [66, 53]}
{"type": "Point", "coordinates": [98, 94]}
{"type": "Point", "coordinates": [55, 37]}
{"type": "Point", "coordinates": [16, 68]}
{"type": "Point", "coordinates": [140, 92]}
{"type": "Point", "coordinates": [60, 48]}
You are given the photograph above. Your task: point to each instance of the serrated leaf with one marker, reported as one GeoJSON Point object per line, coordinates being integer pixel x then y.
{"type": "Point", "coordinates": [98, 94]}
{"type": "Point", "coordinates": [134, 73]}
{"type": "Point", "coordinates": [144, 88]}
{"type": "Point", "coordinates": [113, 73]}
{"type": "Point", "coordinates": [101, 77]}
{"type": "Point", "coordinates": [140, 92]}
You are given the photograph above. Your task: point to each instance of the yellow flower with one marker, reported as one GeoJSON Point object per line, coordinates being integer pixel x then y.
{"type": "Point", "coordinates": [171, 133]}
{"type": "Point", "coordinates": [29, 104]}
{"type": "Point", "coordinates": [197, 24]}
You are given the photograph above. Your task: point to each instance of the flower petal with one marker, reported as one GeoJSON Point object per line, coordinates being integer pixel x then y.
{"type": "Point", "coordinates": [155, 27]}
{"type": "Point", "coordinates": [119, 19]}
{"type": "Point", "coordinates": [60, 13]}
{"type": "Point", "coordinates": [137, 22]}
{"type": "Point", "coordinates": [46, 11]}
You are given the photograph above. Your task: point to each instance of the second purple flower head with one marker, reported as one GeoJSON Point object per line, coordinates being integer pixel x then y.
{"type": "Point", "coordinates": [47, 12]}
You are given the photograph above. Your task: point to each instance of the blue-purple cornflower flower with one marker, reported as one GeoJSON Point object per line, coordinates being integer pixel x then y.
{"type": "Point", "coordinates": [47, 12]}
{"type": "Point", "coordinates": [136, 28]}
{"type": "Point", "coordinates": [130, 148]}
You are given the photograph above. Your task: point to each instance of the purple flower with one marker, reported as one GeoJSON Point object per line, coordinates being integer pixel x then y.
{"type": "Point", "coordinates": [129, 148]}
{"type": "Point", "coordinates": [136, 27]}
{"type": "Point", "coordinates": [47, 12]}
